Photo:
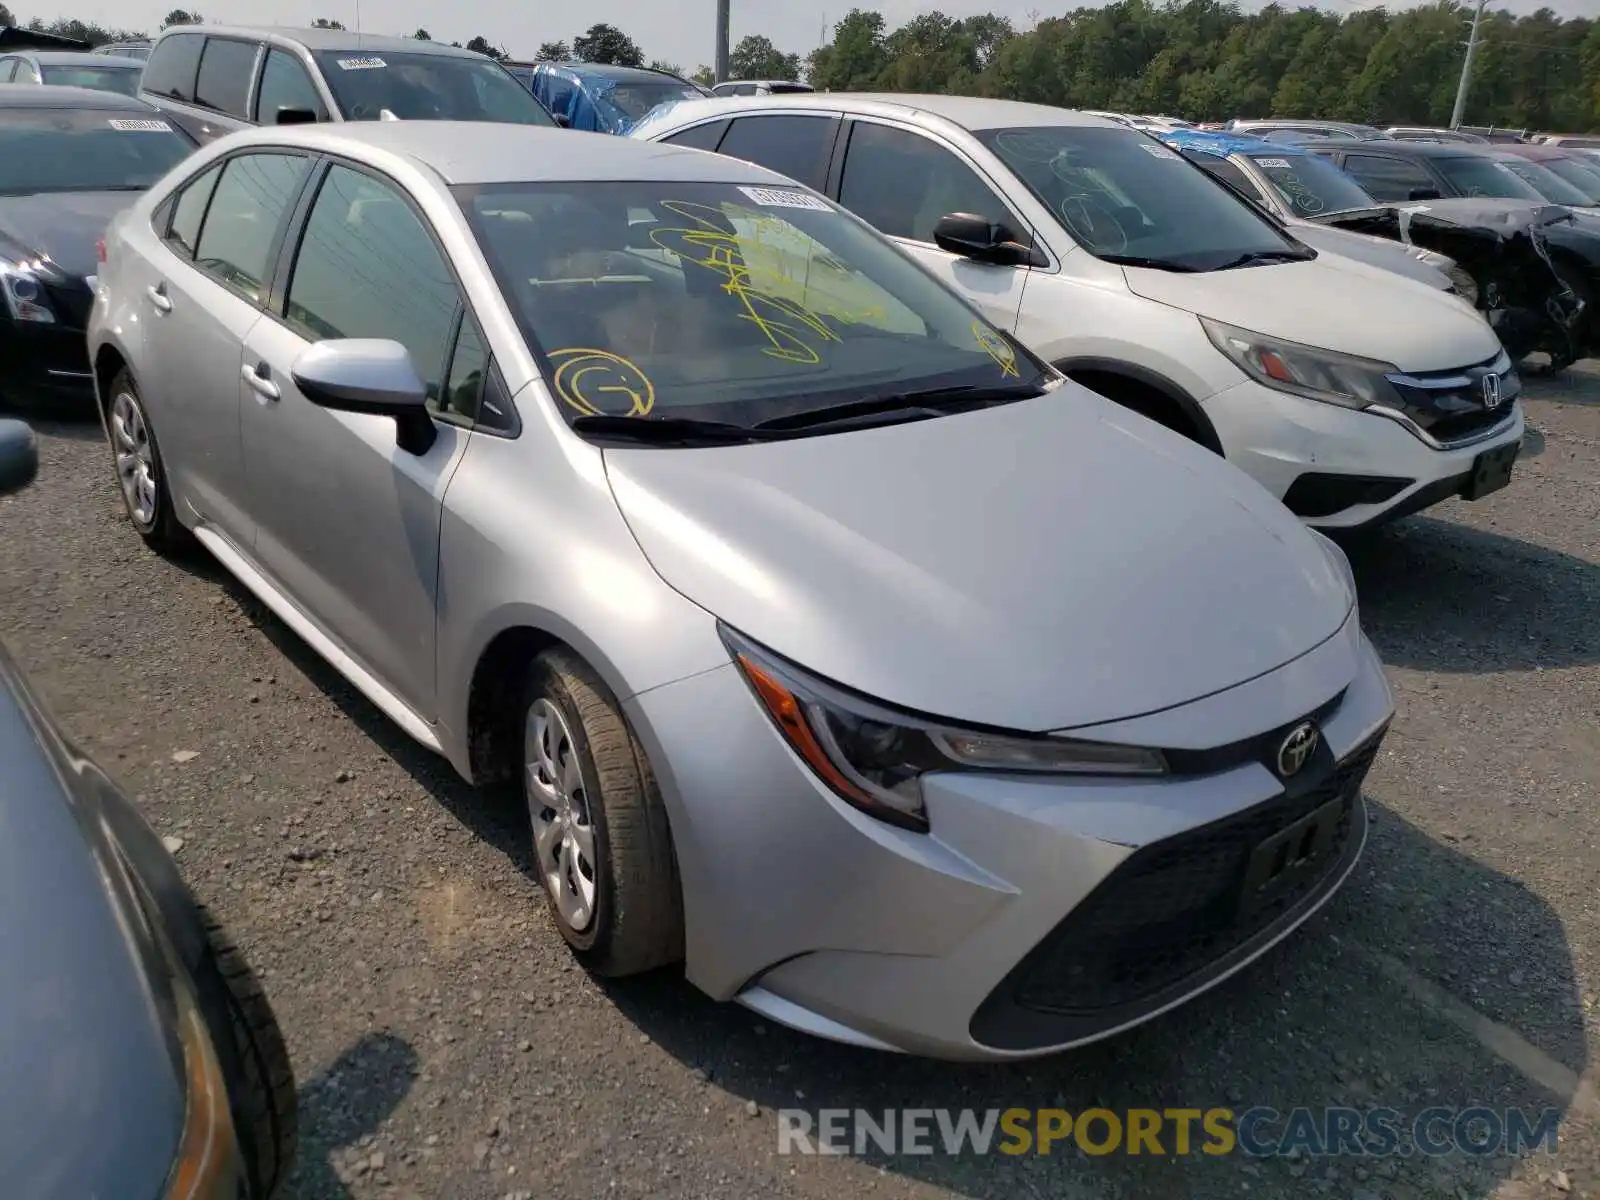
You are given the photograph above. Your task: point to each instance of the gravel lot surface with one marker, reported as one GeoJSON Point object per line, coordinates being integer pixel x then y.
{"type": "Point", "coordinates": [447, 1047]}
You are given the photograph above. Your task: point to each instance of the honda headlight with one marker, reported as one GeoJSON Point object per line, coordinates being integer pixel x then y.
{"type": "Point", "coordinates": [24, 297]}
{"type": "Point", "coordinates": [1307, 371]}
{"type": "Point", "coordinates": [874, 758]}
{"type": "Point", "coordinates": [1465, 285]}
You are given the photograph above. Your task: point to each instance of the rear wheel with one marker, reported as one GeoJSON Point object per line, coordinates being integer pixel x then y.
{"type": "Point", "coordinates": [141, 475]}
{"type": "Point", "coordinates": [262, 1096]}
{"type": "Point", "coordinates": [602, 847]}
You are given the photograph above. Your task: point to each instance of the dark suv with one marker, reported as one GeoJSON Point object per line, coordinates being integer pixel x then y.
{"type": "Point", "coordinates": [141, 1055]}
{"type": "Point", "coordinates": [215, 79]}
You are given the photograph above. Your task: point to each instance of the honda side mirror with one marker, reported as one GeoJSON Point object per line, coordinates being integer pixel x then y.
{"type": "Point", "coordinates": [372, 376]}
{"type": "Point", "coordinates": [982, 240]}
{"type": "Point", "coordinates": [19, 456]}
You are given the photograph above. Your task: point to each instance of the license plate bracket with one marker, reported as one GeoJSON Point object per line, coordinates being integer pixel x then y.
{"type": "Point", "coordinates": [1292, 854]}
{"type": "Point", "coordinates": [1491, 471]}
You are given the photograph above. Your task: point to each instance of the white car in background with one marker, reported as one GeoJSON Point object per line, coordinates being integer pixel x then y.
{"type": "Point", "coordinates": [1353, 394]}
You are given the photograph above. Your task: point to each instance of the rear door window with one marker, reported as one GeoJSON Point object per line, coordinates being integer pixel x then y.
{"type": "Point", "coordinates": [226, 68]}
{"type": "Point", "coordinates": [241, 225]}
{"type": "Point", "coordinates": [173, 65]}
{"type": "Point", "coordinates": [798, 147]}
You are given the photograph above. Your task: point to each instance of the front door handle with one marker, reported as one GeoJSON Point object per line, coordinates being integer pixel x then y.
{"type": "Point", "coordinates": [259, 377]}
{"type": "Point", "coordinates": [158, 297]}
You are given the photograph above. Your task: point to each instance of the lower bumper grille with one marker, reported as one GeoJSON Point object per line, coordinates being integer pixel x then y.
{"type": "Point", "coordinates": [1175, 913]}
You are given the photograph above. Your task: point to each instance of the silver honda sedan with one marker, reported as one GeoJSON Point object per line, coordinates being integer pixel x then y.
{"type": "Point", "coordinates": [840, 648]}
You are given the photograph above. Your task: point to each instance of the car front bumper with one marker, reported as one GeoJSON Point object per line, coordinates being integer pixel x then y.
{"type": "Point", "coordinates": [1344, 469]}
{"type": "Point", "coordinates": [1038, 913]}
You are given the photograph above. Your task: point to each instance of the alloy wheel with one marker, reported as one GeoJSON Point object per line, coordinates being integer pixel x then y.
{"type": "Point", "coordinates": [136, 463]}
{"type": "Point", "coordinates": [558, 808]}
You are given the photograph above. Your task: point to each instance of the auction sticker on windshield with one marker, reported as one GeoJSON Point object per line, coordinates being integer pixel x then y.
{"type": "Point", "coordinates": [361, 64]}
{"type": "Point", "coordinates": [783, 198]}
{"type": "Point", "coordinates": [1155, 151]}
{"type": "Point", "coordinates": [1281, 164]}
{"type": "Point", "coordinates": [140, 126]}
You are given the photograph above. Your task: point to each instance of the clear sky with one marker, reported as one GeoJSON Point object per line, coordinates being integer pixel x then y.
{"type": "Point", "coordinates": [680, 31]}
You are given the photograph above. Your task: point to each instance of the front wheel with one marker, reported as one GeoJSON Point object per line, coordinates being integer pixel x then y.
{"type": "Point", "coordinates": [602, 846]}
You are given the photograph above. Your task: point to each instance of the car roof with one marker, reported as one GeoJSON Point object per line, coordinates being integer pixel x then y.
{"type": "Point", "coordinates": [968, 112]}
{"type": "Point", "coordinates": [478, 152]}
{"type": "Point", "coordinates": [1543, 153]}
{"type": "Point", "coordinates": [51, 95]}
{"type": "Point", "coordinates": [613, 71]}
{"type": "Point", "coordinates": [328, 39]}
{"type": "Point", "coordinates": [1223, 144]}
{"type": "Point", "coordinates": [79, 58]}
{"type": "Point", "coordinates": [1399, 147]}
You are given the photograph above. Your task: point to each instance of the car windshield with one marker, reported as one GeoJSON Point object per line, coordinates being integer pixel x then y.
{"type": "Point", "coordinates": [1311, 186]}
{"type": "Point", "coordinates": [77, 150]}
{"type": "Point", "coordinates": [1122, 195]}
{"type": "Point", "coordinates": [1546, 182]}
{"type": "Point", "coordinates": [637, 98]}
{"type": "Point", "coordinates": [1584, 176]}
{"type": "Point", "coordinates": [1476, 175]}
{"type": "Point", "coordinates": [123, 80]}
{"type": "Point", "coordinates": [427, 87]}
{"type": "Point", "coordinates": [730, 304]}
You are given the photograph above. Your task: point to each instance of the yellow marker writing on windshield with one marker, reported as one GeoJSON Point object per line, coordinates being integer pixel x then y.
{"type": "Point", "coordinates": [593, 381]}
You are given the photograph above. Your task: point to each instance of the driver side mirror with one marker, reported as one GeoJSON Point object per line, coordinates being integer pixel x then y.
{"type": "Point", "coordinates": [1425, 193]}
{"type": "Point", "coordinates": [982, 240]}
{"type": "Point", "coordinates": [19, 456]}
{"type": "Point", "coordinates": [295, 116]}
{"type": "Point", "coordinates": [372, 376]}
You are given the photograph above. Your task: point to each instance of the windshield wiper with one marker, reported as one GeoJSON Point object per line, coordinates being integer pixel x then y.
{"type": "Point", "coordinates": [1251, 258]}
{"type": "Point", "coordinates": [1139, 260]}
{"type": "Point", "coordinates": [667, 430]}
{"type": "Point", "coordinates": [910, 406]}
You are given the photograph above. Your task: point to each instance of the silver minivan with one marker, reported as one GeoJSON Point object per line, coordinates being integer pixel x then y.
{"type": "Point", "coordinates": [216, 79]}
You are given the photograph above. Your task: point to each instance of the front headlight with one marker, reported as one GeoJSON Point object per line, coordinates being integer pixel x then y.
{"type": "Point", "coordinates": [1307, 371]}
{"type": "Point", "coordinates": [1466, 286]}
{"type": "Point", "coordinates": [874, 758]}
{"type": "Point", "coordinates": [208, 1166]}
{"type": "Point", "coordinates": [25, 299]}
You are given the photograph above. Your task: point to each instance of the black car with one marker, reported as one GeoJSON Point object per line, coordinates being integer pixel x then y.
{"type": "Point", "coordinates": [99, 72]}
{"type": "Point", "coordinates": [70, 160]}
{"type": "Point", "coordinates": [1408, 173]}
{"type": "Point", "coordinates": [140, 1055]}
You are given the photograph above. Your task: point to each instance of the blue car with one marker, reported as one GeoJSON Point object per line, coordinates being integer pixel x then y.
{"type": "Point", "coordinates": [601, 98]}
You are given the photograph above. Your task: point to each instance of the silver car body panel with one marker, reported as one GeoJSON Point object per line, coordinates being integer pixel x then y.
{"type": "Point", "coordinates": [885, 558]}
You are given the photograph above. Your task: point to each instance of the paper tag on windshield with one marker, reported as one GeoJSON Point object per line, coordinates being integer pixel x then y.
{"type": "Point", "coordinates": [141, 126]}
{"type": "Point", "coordinates": [784, 198]}
{"type": "Point", "coordinates": [1281, 163]}
{"type": "Point", "coordinates": [361, 64]}
{"type": "Point", "coordinates": [1155, 151]}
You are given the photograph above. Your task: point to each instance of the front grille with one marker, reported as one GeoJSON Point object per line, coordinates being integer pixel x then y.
{"type": "Point", "coordinates": [1451, 405]}
{"type": "Point", "coordinates": [1167, 915]}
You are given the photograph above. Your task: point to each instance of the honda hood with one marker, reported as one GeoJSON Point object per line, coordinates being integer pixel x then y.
{"type": "Point", "coordinates": [1335, 303]}
{"type": "Point", "coordinates": [1046, 564]}
{"type": "Point", "coordinates": [64, 227]}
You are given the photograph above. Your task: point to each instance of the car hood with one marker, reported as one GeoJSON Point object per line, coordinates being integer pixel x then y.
{"type": "Point", "coordinates": [96, 1105]}
{"type": "Point", "coordinates": [1046, 564]}
{"type": "Point", "coordinates": [1335, 303]}
{"type": "Point", "coordinates": [62, 226]}
{"type": "Point", "coordinates": [1374, 251]}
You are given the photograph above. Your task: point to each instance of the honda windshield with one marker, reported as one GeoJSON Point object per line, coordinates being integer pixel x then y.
{"type": "Point", "coordinates": [711, 303]}
{"type": "Point", "coordinates": [1123, 196]}
{"type": "Point", "coordinates": [1311, 186]}
{"type": "Point", "coordinates": [427, 87]}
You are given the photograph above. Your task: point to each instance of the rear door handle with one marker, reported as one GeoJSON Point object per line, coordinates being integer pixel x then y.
{"type": "Point", "coordinates": [259, 377]}
{"type": "Point", "coordinates": [158, 297]}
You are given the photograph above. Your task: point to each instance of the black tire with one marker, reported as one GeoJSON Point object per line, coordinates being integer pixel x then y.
{"type": "Point", "coordinates": [163, 532]}
{"type": "Point", "coordinates": [265, 1111]}
{"type": "Point", "coordinates": [637, 919]}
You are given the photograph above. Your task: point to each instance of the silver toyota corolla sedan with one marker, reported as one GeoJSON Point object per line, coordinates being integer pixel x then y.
{"type": "Point", "coordinates": [840, 648]}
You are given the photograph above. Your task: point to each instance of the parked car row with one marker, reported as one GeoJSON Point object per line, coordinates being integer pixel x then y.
{"type": "Point", "coordinates": [895, 441]}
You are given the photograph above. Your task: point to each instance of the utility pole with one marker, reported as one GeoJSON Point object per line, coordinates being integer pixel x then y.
{"type": "Point", "coordinates": [1466, 69]}
{"type": "Point", "coordinates": [722, 41]}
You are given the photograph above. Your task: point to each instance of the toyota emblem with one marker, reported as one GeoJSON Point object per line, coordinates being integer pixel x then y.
{"type": "Point", "coordinates": [1297, 749]}
{"type": "Point", "coordinates": [1491, 391]}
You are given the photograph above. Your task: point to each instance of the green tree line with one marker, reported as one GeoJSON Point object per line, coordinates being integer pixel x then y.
{"type": "Point", "coordinates": [1207, 60]}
